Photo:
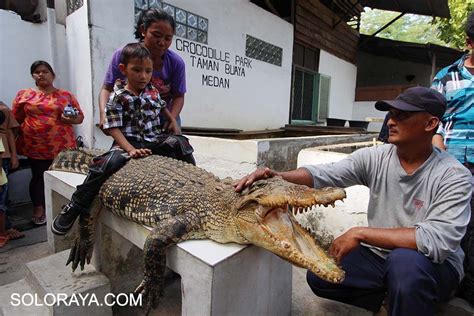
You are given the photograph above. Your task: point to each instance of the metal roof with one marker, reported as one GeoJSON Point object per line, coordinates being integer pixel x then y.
{"type": "Point", "coordinates": [419, 53]}
{"type": "Point", "coordinates": [433, 8]}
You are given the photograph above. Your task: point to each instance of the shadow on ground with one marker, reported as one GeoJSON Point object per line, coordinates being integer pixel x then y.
{"type": "Point", "coordinates": [16, 253]}
{"type": "Point", "coordinates": [20, 216]}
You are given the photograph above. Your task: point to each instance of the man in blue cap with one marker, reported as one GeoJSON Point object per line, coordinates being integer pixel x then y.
{"type": "Point", "coordinates": [410, 253]}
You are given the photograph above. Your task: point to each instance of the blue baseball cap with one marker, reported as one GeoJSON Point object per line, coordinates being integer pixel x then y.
{"type": "Point", "coordinates": [416, 99]}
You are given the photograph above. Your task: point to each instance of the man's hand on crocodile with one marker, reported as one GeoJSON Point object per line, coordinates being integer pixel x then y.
{"type": "Point", "coordinates": [260, 173]}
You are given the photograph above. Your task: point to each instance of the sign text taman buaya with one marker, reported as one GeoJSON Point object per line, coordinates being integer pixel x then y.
{"type": "Point", "coordinates": [211, 60]}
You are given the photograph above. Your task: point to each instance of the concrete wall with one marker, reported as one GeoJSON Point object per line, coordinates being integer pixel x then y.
{"type": "Point", "coordinates": [366, 109]}
{"type": "Point", "coordinates": [281, 153]}
{"type": "Point", "coordinates": [106, 35]}
{"type": "Point", "coordinates": [264, 91]}
{"type": "Point", "coordinates": [259, 100]}
{"type": "Point", "coordinates": [61, 11]}
{"type": "Point", "coordinates": [17, 52]}
{"type": "Point", "coordinates": [343, 82]}
{"type": "Point", "coordinates": [78, 43]}
{"type": "Point", "coordinates": [276, 153]}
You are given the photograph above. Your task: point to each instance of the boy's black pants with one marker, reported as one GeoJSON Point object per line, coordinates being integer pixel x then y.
{"type": "Point", "coordinates": [103, 166]}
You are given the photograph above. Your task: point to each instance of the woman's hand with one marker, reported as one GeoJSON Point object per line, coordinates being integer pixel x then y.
{"type": "Point", "coordinates": [66, 119]}
{"type": "Point", "coordinates": [164, 89]}
{"type": "Point", "coordinates": [173, 128]}
{"type": "Point", "coordinates": [14, 162]}
{"type": "Point", "coordinates": [102, 121]}
{"type": "Point", "coordinates": [71, 119]}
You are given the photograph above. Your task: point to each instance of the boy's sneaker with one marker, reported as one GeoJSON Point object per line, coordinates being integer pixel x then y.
{"type": "Point", "coordinates": [64, 221]}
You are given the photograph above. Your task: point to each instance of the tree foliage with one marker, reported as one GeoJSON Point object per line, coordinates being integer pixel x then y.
{"type": "Point", "coordinates": [452, 30]}
{"type": "Point", "coordinates": [409, 28]}
{"type": "Point", "coordinates": [421, 29]}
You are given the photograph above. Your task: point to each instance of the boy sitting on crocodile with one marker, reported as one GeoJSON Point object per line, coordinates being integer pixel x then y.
{"type": "Point", "coordinates": [133, 122]}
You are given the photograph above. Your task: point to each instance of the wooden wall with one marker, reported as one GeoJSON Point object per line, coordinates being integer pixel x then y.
{"type": "Point", "coordinates": [380, 92]}
{"type": "Point", "coordinates": [314, 28]}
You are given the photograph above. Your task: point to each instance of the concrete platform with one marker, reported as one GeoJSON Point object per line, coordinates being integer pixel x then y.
{"type": "Point", "coordinates": [13, 306]}
{"type": "Point", "coordinates": [50, 275]}
{"type": "Point", "coordinates": [50, 288]}
{"type": "Point", "coordinates": [211, 278]}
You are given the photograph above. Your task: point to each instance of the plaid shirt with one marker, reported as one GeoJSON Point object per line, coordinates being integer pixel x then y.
{"type": "Point", "coordinates": [456, 83]}
{"type": "Point", "coordinates": [136, 116]}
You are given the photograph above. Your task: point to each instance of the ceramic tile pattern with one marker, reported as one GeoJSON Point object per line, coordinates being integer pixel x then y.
{"type": "Point", "coordinates": [73, 5]}
{"type": "Point", "coordinates": [263, 51]}
{"type": "Point", "coordinates": [180, 30]}
{"type": "Point", "coordinates": [188, 25]}
{"type": "Point", "coordinates": [180, 16]}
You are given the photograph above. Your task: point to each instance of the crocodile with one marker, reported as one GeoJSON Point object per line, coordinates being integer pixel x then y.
{"type": "Point", "coordinates": [181, 202]}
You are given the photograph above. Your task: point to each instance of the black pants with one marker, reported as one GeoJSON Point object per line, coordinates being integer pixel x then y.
{"type": "Point", "coordinates": [411, 283]}
{"type": "Point", "coordinates": [38, 167]}
{"type": "Point", "coordinates": [103, 166]}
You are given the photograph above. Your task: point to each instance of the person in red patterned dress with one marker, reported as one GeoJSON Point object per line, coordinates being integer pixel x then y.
{"type": "Point", "coordinates": [45, 128]}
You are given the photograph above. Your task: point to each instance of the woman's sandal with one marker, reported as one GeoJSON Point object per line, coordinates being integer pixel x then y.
{"type": "Point", "coordinates": [39, 220]}
{"type": "Point", "coordinates": [13, 234]}
{"type": "Point", "coordinates": [4, 240]}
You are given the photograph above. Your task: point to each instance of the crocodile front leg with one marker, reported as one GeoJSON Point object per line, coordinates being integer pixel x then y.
{"type": "Point", "coordinates": [83, 244]}
{"type": "Point", "coordinates": [167, 233]}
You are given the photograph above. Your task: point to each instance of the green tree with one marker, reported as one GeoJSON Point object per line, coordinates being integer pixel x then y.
{"type": "Point", "coordinates": [452, 30]}
{"type": "Point", "coordinates": [421, 29]}
{"type": "Point", "coordinates": [409, 28]}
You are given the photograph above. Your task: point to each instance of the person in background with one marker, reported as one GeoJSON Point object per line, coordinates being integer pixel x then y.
{"type": "Point", "coordinates": [456, 135]}
{"type": "Point", "coordinates": [154, 30]}
{"type": "Point", "coordinates": [4, 238]}
{"type": "Point", "coordinates": [9, 161]}
{"type": "Point", "coordinates": [46, 116]}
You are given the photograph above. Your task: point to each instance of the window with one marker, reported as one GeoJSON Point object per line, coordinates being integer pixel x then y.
{"type": "Point", "coordinates": [305, 57]}
{"type": "Point", "coordinates": [310, 101]}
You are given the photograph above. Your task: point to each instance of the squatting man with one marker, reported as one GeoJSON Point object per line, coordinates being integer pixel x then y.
{"type": "Point", "coordinates": [410, 254]}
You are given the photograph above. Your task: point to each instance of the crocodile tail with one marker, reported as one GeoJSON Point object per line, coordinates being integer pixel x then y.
{"type": "Point", "coordinates": [74, 160]}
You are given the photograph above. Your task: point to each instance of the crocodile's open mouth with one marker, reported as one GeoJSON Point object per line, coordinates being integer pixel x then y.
{"type": "Point", "coordinates": [277, 230]}
{"type": "Point", "coordinates": [266, 218]}
{"type": "Point", "coordinates": [295, 241]}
